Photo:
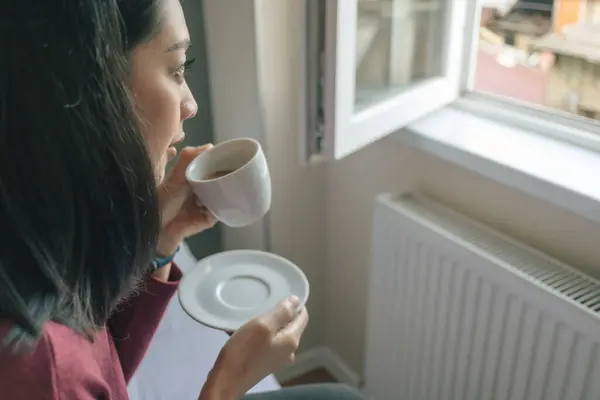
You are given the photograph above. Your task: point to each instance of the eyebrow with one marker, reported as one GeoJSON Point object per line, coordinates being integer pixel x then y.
{"type": "Point", "coordinates": [182, 44]}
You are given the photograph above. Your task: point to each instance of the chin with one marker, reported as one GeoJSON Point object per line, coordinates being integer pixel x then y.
{"type": "Point", "coordinates": [160, 177]}
{"type": "Point", "coordinates": [161, 172]}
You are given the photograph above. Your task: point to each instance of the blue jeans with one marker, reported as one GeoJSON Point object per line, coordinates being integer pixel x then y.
{"type": "Point", "coordinates": [310, 392]}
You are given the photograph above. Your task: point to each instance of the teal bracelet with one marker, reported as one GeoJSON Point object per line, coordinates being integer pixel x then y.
{"type": "Point", "coordinates": [160, 262]}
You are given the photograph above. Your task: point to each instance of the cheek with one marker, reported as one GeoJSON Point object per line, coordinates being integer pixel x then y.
{"type": "Point", "coordinates": [158, 109]}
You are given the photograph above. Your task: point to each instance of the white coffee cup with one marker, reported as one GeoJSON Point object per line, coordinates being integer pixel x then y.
{"type": "Point", "coordinates": [232, 181]}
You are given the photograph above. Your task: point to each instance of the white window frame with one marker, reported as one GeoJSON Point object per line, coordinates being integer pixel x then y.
{"type": "Point", "coordinates": [344, 130]}
{"type": "Point", "coordinates": [550, 155]}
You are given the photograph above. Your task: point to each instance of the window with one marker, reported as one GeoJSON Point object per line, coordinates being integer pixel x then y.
{"type": "Point", "coordinates": [543, 52]}
{"type": "Point", "coordinates": [376, 66]}
{"type": "Point", "coordinates": [381, 65]}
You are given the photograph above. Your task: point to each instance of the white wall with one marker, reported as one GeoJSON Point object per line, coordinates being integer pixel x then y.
{"type": "Point", "coordinates": [253, 59]}
{"type": "Point", "coordinates": [321, 216]}
{"type": "Point", "coordinates": [297, 216]}
{"type": "Point", "coordinates": [389, 166]}
{"type": "Point", "coordinates": [235, 93]}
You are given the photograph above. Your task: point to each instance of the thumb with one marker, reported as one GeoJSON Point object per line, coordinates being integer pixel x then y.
{"type": "Point", "coordinates": [281, 316]}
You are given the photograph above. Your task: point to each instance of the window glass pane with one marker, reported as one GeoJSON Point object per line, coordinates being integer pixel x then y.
{"type": "Point", "coordinates": [543, 52]}
{"type": "Point", "coordinates": [398, 43]}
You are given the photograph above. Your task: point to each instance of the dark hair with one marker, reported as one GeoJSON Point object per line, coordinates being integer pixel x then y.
{"type": "Point", "coordinates": [78, 206]}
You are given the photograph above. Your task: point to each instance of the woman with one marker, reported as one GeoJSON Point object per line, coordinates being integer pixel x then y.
{"type": "Point", "coordinates": [92, 101]}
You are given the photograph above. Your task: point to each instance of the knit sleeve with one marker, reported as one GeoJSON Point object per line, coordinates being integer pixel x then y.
{"type": "Point", "coordinates": [133, 324]}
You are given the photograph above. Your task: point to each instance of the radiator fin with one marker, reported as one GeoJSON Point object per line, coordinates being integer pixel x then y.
{"type": "Point", "coordinates": [458, 311]}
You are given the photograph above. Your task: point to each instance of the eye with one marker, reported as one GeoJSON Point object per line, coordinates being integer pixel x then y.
{"type": "Point", "coordinates": [181, 70]}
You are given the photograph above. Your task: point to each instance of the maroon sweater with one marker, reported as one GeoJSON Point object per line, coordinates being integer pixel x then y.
{"type": "Point", "coordinates": [66, 366]}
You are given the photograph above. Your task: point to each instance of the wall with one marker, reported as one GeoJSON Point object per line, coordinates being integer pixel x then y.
{"type": "Point", "coordinates": [254, 73]}
{"type": "Point", "coordinates": [296, 222]}
{"type": "Point", "coordinates": [590, 12]}
{"type": "Point", "coordinates": [576, 76]}
{"type": "Point", "coordinates": [321, 216]}
{"type": "Point", "coordinates": [352, 185]}
{"type": "Point", "coordinates": [566, 12]}
{"type": "Point", "coordinates": [237, 109]}
{"type": "Point", "coordinates": [388, 165]}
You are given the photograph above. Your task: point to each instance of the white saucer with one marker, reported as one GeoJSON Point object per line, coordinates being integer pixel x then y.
{"type": "Point", "coordinates": [228, 289]}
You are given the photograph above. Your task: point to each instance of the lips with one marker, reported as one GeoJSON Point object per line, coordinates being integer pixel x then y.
{"type": "Point", "coordinates": [178, 140]}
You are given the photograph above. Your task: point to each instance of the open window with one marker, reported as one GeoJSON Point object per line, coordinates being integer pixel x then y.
{"type": "Point", "coordinates": [374, 66]}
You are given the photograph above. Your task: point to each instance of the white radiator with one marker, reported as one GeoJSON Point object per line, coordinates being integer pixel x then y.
{"type": "Point", "coordinates": [458, 311]}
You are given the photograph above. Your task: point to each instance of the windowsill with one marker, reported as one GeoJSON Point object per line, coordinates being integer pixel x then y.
{"type": "Point", "coordinates": [551, 170]}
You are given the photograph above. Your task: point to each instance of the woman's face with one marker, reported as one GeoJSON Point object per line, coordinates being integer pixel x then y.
{"type": "Point", "coordinates": [161, 94]}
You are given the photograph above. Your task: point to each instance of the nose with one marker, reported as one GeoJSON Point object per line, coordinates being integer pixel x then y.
{"type": "Point", "coordinates": [189, 107]}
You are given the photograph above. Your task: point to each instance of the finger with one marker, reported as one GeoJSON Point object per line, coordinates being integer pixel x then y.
{"type": "Point", "coordinates": [172, 198]}
{"type": "Point", "coordinates": [198, 222]}
{"type": "Point", "coordinates": [195, 208]}
{"type": "Point", "coordinates": [210, 217]}
{"type": "Point", "coordinates": [283, 313]}
{"type": "Point", "coordinates": [188, 217]}
{"type": "Point", "coordinates": [186, 156]}
{"type": "Point", "coordinates": [191, 223]}
{"type": "Point", "coordinates": [295, 328]}
{"type": "Point", "coordinates": [204, 209]}
{"type": "Point", "coordinates": [203, 218]}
